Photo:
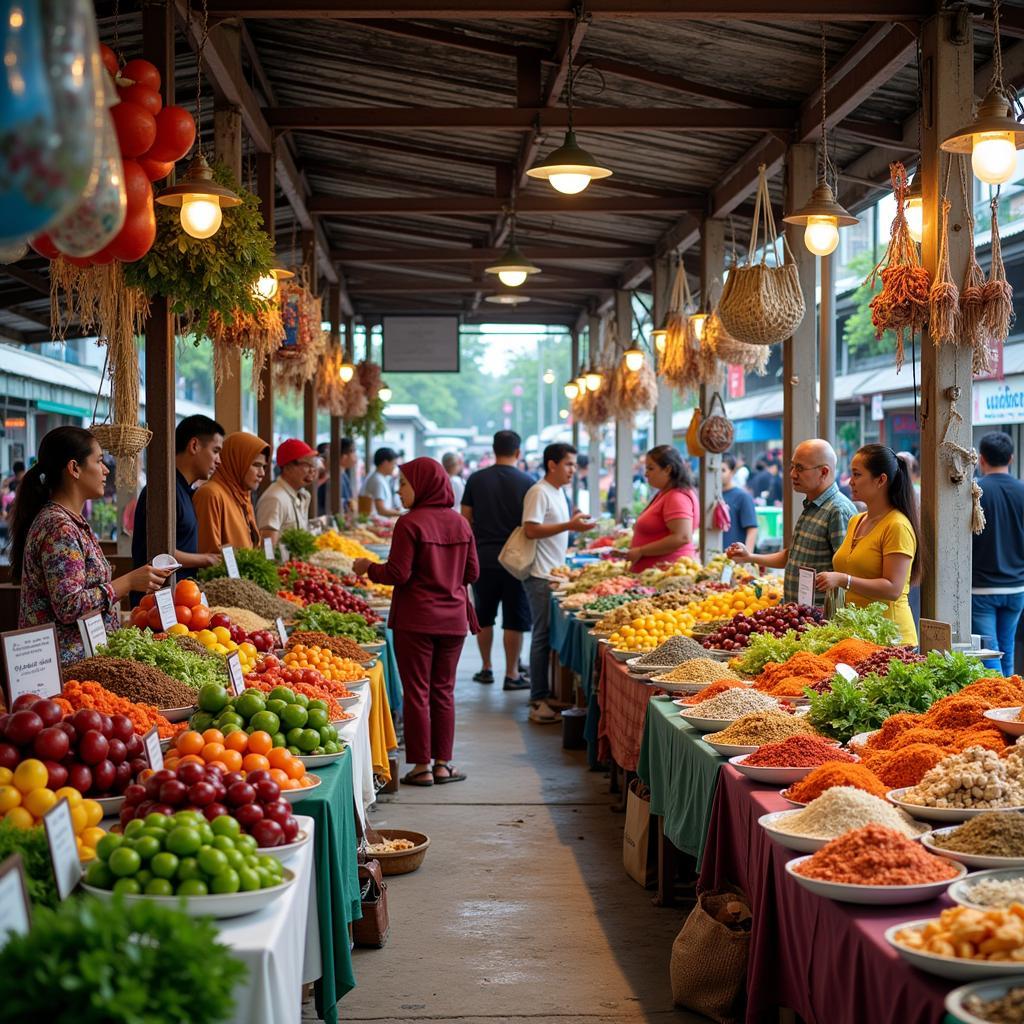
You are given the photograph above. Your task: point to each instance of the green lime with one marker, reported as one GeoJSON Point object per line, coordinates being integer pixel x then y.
{"type": "Point", "coordinates": [317, 705]}
{"type": "Point", "coordinates": [188, 818]}
{"type": "Point", "coordinates": [276, 706]}
{"type": "Point", "coordinates": [293, 736]}
{"type": "Point", "coordinates": [124, 862]}
{"type": "Point", "coordinates": [292, 748]}
{"type": "Point", "coordinates": [227, 730]}
{"type": "Point", "coordinates": [127, 887]}
{"type": "Point", "coordinates": [236, 858]}
{"type": "Point", "coordinates": [272, 864]}
{"type": "Point", "coordinates": [212, 697]}
{"type": "Point", "coordinates": [205, 832]}
{"type": "Point", "coordinates": [145, 846]}
{"type": "Point", "coordinates": [192, 887]}
{"type": "Point", "coordinates": [301, 698]}
{"type": "Point", "coordinates": [164, 865]}
{"type": "Point", "coordinates": [228, 718]}
{"type": "Point", "coordinates": [159, 887]}
{"type": "Point", "coordinates": [184, 840]}
{"type": "Point", "coordinates": [308, 740]}
{"type": "Point", "coordinates": [331, 747]}
{"type": "Point", "coordinates": [282, 693]}
{"type": "Point", "coordinates": [248, 879]}
{"type": "Point", "coordinates": [317, 719]}
{"type": "Point", "coordinates": [279, 740]}
{"type": "Point", "coordinates": [223, 843]}
{"type": "Point", "coordinates": [266, 878]}
{"type": "Point", "coordinates": [328, 734]}
{"type": "Point", "coordinates": [200, 721]}
{"type": "Point", "coordinates": [265, 721]}
{"type": "Point", "coordinates": [225, 825]}
{"type": "Point", "coordinates": [226, 881]}
{"type": "Point", "coordinates": [211, 860]}
{"type": "Point", "coordinates": [249, 704]}
{"type": "Point", "coordinates": [108, 844]}
{"type": "Point", "coordinates": [156, 820]}
{"type": "Point", "coordinates": [294, 716]}
{"type": "Point", "coordinates": [143, 877]}
{"type": "Point", "coordinates": [99, 875]}
{"type": "Point", "coordinates": [133, 826]}
{"type": "Point", "coordinates": [188, 867]}
{"type": "Point", "coordinates": [246, 843]}
{"type": "Point", "coordinates": [153, 833]}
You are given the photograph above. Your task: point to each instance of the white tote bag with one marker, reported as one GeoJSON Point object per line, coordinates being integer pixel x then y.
{"type": "Point", "coordinates": [518, 554]}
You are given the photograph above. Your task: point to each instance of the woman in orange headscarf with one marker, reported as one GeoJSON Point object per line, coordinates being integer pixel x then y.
{"type": "Point", "coordinates": [224, 504]}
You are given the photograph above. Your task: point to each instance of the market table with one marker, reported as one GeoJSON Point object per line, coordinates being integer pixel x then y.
{"type": "Point", "coordinates": [577, 650]}
{"type": "Point", "coordinates": [826, 961]}
{"type": "Point", "coordinates": [681, 771]}
{"type": "Point", "coordinates": [280, 945]}
{"type": "Point", "coordinates": [391, 676]}
{"type": "Point", "coordinates": [623, 701]}
{"type": "Point", "coordinates": [332, 808]}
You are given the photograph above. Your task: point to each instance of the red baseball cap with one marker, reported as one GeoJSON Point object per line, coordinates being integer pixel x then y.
{"type": "Point", "coordinates": [292, 449]}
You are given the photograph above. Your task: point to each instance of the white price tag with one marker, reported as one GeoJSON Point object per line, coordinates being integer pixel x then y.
{"type": "Point", "coordinates": [282, 632]}
{"type": "Point", "coordinates": [60, 836]}
{"type": "Point", "coordinates": [94, 632]}
{"type": "Point", "coordinates": [235, 673]}
{"type": "Point", "coordinates": [165, 608]}
{"type": "Point", "coordinates": [285, 554]}
{"type": "Point", "coordinates": [805, 588]}
{"type": "Point", "coordinates": [31, 662]}
{"type": "Point", "coordinates": [935, 636]}
{"type": "Point", "coordinates": [15, 909]}
{"type": "Point", "coordinates": [268, 548]}
{"type": "Point", "coordinates": [727, 571]}
{"type": "Point", "coordinates": [847, 672]}
{"type": "Point", "coordinates": [203, 601]}
{"type": "Point", "coordinates": [155, 756]}
{"type": "Point", "coordinates": [230, 562]}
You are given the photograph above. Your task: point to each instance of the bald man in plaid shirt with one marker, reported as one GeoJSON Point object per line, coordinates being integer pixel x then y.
{"type": "Point", "coordinates": [821, 528]}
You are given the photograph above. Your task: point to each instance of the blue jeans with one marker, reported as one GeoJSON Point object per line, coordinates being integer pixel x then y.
{"type": "Point", "coordinates": [997, 615]}
{"type": "Point", "coordinates": [539, 593]}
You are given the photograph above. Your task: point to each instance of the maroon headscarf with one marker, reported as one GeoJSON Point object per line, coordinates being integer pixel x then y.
{"type": "Point", "coordinates": [436, 521]}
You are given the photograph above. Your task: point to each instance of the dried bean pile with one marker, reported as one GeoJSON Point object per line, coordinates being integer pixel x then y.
{"type": "Point", "coordinates": [879, 661]}
{"type": "Point", "coordinates": [134, 681]}
{"type": "Point", "coordinates": [248, 595]}
{"type": "Point", "coordinates": [674, 650]}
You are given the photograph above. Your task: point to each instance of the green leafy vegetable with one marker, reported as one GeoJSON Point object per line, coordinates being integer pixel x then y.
{"type": "Point", "coordinates": [318, 618]}
{"type": "Point", "coordinates": [35, 855]}
{"type": "Point", "coordinates": [89, 962]}
{"type": "Point", "coordinates": [139, 645]}
{"type": "Point", "coordinates": [300, 543]}
{"type": "Point", "coordinates": [252, 565]}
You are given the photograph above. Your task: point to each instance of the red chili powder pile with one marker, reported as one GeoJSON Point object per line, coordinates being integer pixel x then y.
{"type": "Point", "coordinates": [802, 751]}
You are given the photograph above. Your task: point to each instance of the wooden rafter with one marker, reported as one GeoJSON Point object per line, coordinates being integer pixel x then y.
{"type": "Point", "coordinates": [574, 254]}
{"type": "Point", "coordinates": [435, 205]}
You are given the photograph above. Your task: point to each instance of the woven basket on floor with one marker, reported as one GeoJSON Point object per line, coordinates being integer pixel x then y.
{"type": "Point", "coordinates": [404, 861]}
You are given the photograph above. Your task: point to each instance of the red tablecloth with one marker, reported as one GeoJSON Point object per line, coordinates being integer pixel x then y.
{"type": "Point", "coordinates": [827, 961]}
{"type": "Point", "coordinates": [623, 702]}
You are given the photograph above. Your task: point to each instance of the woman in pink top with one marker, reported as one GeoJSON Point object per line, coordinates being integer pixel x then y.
{"type": "Point", "coordinates": [664, 531]}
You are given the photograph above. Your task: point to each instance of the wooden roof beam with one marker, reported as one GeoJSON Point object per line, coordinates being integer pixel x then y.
{"type": "Point", "coordinates": [29, 278]}
{"type": "Point", "coordinates": [388, 285]}
{"type": "Point", "coordinates": [574, 254]}
{"type": "Point", "coordinates": [483, 205]}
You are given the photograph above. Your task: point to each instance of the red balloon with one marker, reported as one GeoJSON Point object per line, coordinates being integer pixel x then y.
{"type": "Point", "coordinates": [136, 237]}
{"type": "Point", "coordinates": [109, 59]}
{"type": "Point", "coordinates": [175, 133]}
{"type": "Point", "coordinates": [155, 170]}
{"type": "Point", "coordinates": [136, 128]}
{"type": "Point", "coordinates": [78, 261]}
{"type": "Point", "coordinates": [45, 247]}
{"type": "Point", "coordinates": [137, 186]}
{"type": "Point", "coordinates": [143, 95]}
{"type": "Point", "coordinates": [142, 71]}
{"type": "Point", "coordinates": [102, 258]}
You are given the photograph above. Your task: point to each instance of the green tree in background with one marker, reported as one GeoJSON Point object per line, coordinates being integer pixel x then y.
{"type": "Point", "coordinates": [859, 331]}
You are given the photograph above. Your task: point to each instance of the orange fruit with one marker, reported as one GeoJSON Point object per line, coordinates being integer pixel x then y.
{"type": "Point", "coordinates": [255, 762]}
{"type": "Point", "coordinates": [212, 751]}
{"type": "Point", "coordinates": [260, 742]}
{"type": "Point", "coordinates": [171, 762]}
{"type": "Point", "coordinates": [238, 741]}
{"type": "Point", "coordinates": [290, 784]}
{"type": "Point", "coordinates": [232, 759]}
{"type": "Point", "coordinates": [19, 817]}
{"type": "Point", "coordinates": [213, 736]}
{"type": "Point", "coordinates": [193, 758]}
{"type": "Point", "coordinates": [278, 757]}
{"type": "Point", "coordinates": [189, 742]}
{"type": "Point", "coordinates": [296, 769]}
{"type": "Point", "coordinates": [278, 775]}
{"type": "Point", "coordinates": [31, 774]}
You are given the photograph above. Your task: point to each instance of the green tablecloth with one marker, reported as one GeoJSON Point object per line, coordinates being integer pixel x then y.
{"type": "Point", "coordinates": [392, 680]}
{"type": "Point", "coordinates": [337, 881]}
{"type": "Point", "coordinates": [682, 773]}
{"type": "Point", "coordinates": [577, 651]}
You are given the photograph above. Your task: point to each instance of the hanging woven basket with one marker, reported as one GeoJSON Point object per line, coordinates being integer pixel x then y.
{"type": "Point", "coordinates": [122, 440]}
{"type": "Point", "coordinates": [762, 304]}
{"type": "Point", "coordinates": [732, 352]}
{"type": "Point", "coordinates": [716, 430]}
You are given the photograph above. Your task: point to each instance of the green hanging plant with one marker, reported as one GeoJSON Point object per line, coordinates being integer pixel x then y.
{"type": "Point", "coordinates": [372, 420]}
{"type": "Point", "coordinates": [201, 277]}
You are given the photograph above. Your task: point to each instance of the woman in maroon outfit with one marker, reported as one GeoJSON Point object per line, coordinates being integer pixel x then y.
{"type": "Point", "coordinates": [432, 560]}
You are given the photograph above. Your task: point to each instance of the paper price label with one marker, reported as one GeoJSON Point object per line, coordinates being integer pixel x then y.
{"type": "Point", "coordinates": [203, 601]}
{"type": "Point", "coordinates": [230, 562]}
{"type": "Point", "coordinates": [235, 673]}
{"type": "Point", "coordinates": [805, 587]}
{"type": "Point", "coordinates": [727, 570]}
{"type": "Point", "coordinates": [94, 632]}
{"type": "Point", "coordinates": [165, 608]}
{"type": "Point", "coordinates": [268, 548]}
{"type": "Point", "coordinates": [60, 837]}
{"type": "Point", "coordinates": [847, 672]}
{"type": "Point", "coordinates": [285, 554]}
{"type": "Point", "coordinates": [15, 908]}
{"type": "Point", "coordinates": [155, 756]}
{"type": "Point", "coordinates": [282, 632]}
{"type": "Point", "coordinates": [935, 636]}
{"type": "Point", "coordinates": [31, 662]}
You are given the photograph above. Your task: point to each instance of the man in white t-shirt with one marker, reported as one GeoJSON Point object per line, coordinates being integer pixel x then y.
{"type": "Point", "coordinates": [544, 520]}
{"type": "Point", "coordinates": [377, 486]}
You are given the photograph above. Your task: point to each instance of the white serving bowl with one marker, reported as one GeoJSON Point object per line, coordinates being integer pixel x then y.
{"type": "Point", "coordinates": [111, 804]}
{"type": "Point", "coordinates": [1007, 720]}
{"type": "Point", "coordinates": [728, 749]}
{"type": "Point", "coordinates": [178, 714]}
{"type": "Point", "coordinates": [347, 702]}
{"type": "Point", "coordinates": [768, 775]}
{"type": "Point", "coordinates": [620, 654]}
{"type": "Point", "coordinates": [958, 890]}
{"type": "Point", "coordinates": [317, 761]}
{"type": "Point", "coordinates": [986, 990]}
{"type": "Point", "coordinates": [286, 852]}
{"type": "Point", "coordinates": [875, 895]}
{"type": "Point", "coordinates": [294, 796]}
{"type": "Point", "coordinates": [978, 861]}
{"type": "Point", "coordinates": [794, 803]}
{"type": "Point", "coordinates": [705, 724]}
{"type": "Point", "coordinates": [955, 814]}
{"type": "Point", "coordinates": [774, 824]}
{"type": "Point", "coordinates": [952, 967]}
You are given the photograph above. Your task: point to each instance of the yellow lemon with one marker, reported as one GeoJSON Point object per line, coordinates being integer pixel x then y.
{"type": "Point", "coordinates": [19, 818]}
{"type": "Point", "coordinates": [92, 835]}
{"type": "Point", "coordinates": [31, 774]}
{"type": "Point", "coordinates": [69, 793]}
{"type": "Point", "coordinates": [39, 801]}
{"type": "Point", "coordinates": [78, 818]}
{"type": "Point", "coordinates": [222, 634]}
{"type": "Point", "coordinates": [93, 813]}
{"type": "Point", "coordinates": [10, 797]}
{"type": "Point", "coordinates": [6, 775]}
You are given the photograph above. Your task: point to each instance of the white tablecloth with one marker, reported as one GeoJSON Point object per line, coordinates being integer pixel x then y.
{"type": "Point", "coordinates": [280, 945]}
{"type": "Point", "coordinates": [356, 733]}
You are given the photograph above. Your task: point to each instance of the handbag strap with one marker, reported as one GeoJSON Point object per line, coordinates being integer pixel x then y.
{"type": "Point", "coordinates": [716, 397]}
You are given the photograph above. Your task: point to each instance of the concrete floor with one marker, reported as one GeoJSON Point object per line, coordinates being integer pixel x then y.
{"type": "Point", "coordinates": [521, 910]}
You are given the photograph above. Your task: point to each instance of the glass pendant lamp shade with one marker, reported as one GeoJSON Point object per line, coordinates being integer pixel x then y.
{"type": "Point", "coordinates": [822, 218]}
{"type": "Point", "coordinates": [571, 390]}
{"type": "Point", "coordinates": [385, 393]}
{"type": "Point", "coordinates": [569, 168]}
{"type": "Point", "coordinates": [513, 268]}
{"type": "Point", "coordinates": [592, 379]}
{"type": "Point", "coordinates": [660, 340]}
{"type": "Point", "coordinates": [633, 358]}
{"type": "Point", "coordinates": [697, 322]}
{"type": "Point", "coordinates": [346, 372]}
{"type": "Point", "coordinates": [200, 199]}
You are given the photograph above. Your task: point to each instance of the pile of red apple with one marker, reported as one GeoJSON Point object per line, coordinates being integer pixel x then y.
{"type": "Point", "coordinates": [254, 800]}
{"type": "Point", "coordinates": [97, 754]}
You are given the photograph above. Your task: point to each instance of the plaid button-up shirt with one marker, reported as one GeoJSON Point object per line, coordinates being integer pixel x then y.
{"type": "Point", "coordinates": [817, 536]}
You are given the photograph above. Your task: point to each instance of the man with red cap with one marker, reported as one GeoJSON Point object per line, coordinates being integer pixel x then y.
{"type": "Point", "coordinates": [284, 505]}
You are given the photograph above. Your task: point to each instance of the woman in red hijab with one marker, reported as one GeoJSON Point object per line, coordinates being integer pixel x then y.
{"type": "Point", "coordinates": [432, 560]}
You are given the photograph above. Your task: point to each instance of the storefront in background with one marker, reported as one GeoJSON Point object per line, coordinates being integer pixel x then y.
{"type": "Point", "coordinates": [999, 405]}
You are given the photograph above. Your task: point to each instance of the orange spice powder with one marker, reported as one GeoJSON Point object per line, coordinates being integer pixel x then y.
{"type": "Point", "coordinates": [850, 651]}
{"type": "Point", "coordinates": [835, 773]}
{"type": "Point", "coordinates": [906, 767]}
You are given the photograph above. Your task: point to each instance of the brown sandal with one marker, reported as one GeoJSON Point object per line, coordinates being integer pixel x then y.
{"type": "Point", "coordinates": [454, 775]}
{"type": "Point", "coordinates": [424, 777]}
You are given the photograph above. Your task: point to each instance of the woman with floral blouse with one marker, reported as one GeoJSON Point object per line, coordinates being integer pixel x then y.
{"type": "Point", "coordinates": [54, 554]}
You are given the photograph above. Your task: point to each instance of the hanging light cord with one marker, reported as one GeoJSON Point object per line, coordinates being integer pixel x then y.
{"type": "Point", "coordinates": [826, 161]}
{"type": "Point", "coordinates": [997, 51]}
{"type": "Point", "coordinates": [571, 58]}
{"type": "Point", "coordinates": [199, 72]}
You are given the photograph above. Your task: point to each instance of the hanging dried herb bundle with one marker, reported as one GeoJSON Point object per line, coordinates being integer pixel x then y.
{"type": "Point", "coordinates": [592, 407]}
{"type": "Point", "coordinates": [259, 333]}
{"type": "Point", "coordinates": [679, 364]}
{"type": "Point", "coordinates": [292, 373]}
{"type": "Point", "coordinates": [369, 377]}
{"type": "Point", "coordinates": [902, 304]}
{"type": "Point", "coordinates": [944, 298]}
{"type": "Point", "coordinates": [328, 381]}
{"type": "Point", "coordinates": [731, 352]}
{"type": "Point", "coordinates": [354, 401]}
{"type": "Point", "coordinates": [998, 292]}
{"type": "Point", "coordinates": [632, 391]}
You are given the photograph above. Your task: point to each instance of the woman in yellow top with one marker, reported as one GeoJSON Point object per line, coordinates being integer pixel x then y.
{"type": "Point", "coordinates": [878, 560]}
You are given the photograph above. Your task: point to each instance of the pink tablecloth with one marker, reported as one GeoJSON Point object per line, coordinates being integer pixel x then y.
{"type": "Point", "coordinates": [827, 961]}
{"type": "Point", "coordinates": [623, 702]}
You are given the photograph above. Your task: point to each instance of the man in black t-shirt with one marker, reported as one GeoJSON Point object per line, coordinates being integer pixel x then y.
{"type": "Point", "coordinates": [493, 504]}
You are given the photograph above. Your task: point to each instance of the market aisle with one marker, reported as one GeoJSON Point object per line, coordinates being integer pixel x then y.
{"type": "Point", "coordinates": [521, 910]}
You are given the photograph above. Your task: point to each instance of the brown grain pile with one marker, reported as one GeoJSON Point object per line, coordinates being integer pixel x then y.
{"type": "Point", "coordinates": [133, 680]}
{"type": "Point", "coordinates": [248, 595]}
{"type": "Point", "coordinates": [343, 646]}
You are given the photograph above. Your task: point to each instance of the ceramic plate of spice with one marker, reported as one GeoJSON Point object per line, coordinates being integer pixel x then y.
{"type": "Point", "coordinates": [705, 724]}
{"type": "Point", "coordinates": [789, 799]}
{"type": "Point", "coordinates": [861, 738]}
{"type": "Point", "coordinates": [984, 890]}
{"type": "Point", "coordinates": [953, 967]}
{"type": "Point", "coordinates": [979, 840]}
{"type": "Point", "coordinates": [178, 714]}
{"type": "Point", "coordinates": [995, 999]}
{"type": "Point", "coordinates": [728, 749]}
{"type": "Point", "coordinates": [767, 773]}
{"type": "Point", "coordinates": [926, 813]}
{"type": "Point", "coordinates": [846, 892]}
{"type": "Point", "coordinates": [774, 825]}
{"type": "Point", "coordinates": [1008, 719]}
{"type": "Point", "coordinates": [619, 654]}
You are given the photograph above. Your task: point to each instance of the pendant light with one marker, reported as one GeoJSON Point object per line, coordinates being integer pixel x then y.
{"type": "Point", "coordinates": [633, 358]}
{"type": "Point", "coordinates": [549, 376]}
{"type": "Point", "coordinates": [268, 284]}
{"type": "Point", "coordinates": [914, 209]}
{"type": "Point", "coordinates": [660, 340]}
{"type": "Point", "coordinates": [698, 321]}
{"type": "Point", "coordinates": [504, 299]}
{"type": "Point", "coordinates": [821, 215]}
{"type": "Point", "coordinates": [593, 379]}
{"type": "Point", "coordinates": [346, 372]}
{"type": "Point", "coordinates": [995, 134]}
{"type": "Point", "coordinates": [581, 383]}
{"type": "Point", "coordinates": [199, 198]}
{"type": "Point", "coordinates": [571, 390]}
{"type": "Point", "coordinates": [513, 268]}
{"type": "Point", "coordinates": [384, 394]}
{"type": "Point", "coordinates": [569, 168]}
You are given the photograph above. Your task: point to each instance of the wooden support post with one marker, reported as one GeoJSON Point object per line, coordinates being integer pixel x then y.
{"type": "Point", "coordinates": [334, 453]}
{"type": "Point", "coordinates": [798, 353]}
{"type": "Point", "coordinates": [574, 358]}
{"type": "Point", "coordinates": [227, 149]}
{"type": "Point", "coordinates": [712, 263]}
{"type": "Point", "coordinates": [623, 425]}
{"type": "Point", "coordinates": [594, 434]}
{"type": "Point", "coordinates": [161, 501]}
{"type": "Point", "coordinates": [309, 405]}
{"type": "Point", "coordinates": [947, 71]}
{"type": "Point", "coordinates": [662, 286]}
{"type": "Point", "coordinates": [265, 401]}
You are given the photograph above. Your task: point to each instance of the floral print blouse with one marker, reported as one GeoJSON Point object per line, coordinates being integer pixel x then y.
{"type": "Point", "coordinates": [65, 576]}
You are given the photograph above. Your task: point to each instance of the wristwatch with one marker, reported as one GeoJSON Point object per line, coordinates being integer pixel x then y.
{"type": "Point", "coordinates": [849, 582]}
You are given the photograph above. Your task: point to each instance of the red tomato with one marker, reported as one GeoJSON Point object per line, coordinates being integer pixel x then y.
{"type": "Point", "coordinates": [137, 186]}
{"type": "Point", "coordinates": [43, 245]}
{"type": "Point", "coordinates": [136, 238]}
{"type": "Point", "coordinates": [200, 617]}
{"type": "Point", "coordinates": [149, 601]}
{"type": "Point", "coordinates": [109, 59]}
{"type": "Point", "coordinates": [187, 592]}
{"type": "Point", "coordinates": [136, 128]}
{"type": "Point", "coordinates": [140, 618]}
{"type": "Point", "coordinates": [155, 170]}
{"type": "Point", "coordinates": [143, 71]}
{"type": "Point", "coordinates": [175, 133]}
{"type": "Point", "coordinates": [184, 614]}
{"type": "Point", "coordinates": [143, 95]}
{"type": "Point", "coordinates": [153, 618]}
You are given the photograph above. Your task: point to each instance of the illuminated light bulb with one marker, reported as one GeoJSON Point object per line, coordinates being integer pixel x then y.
{"type": "Point", "coordinates": [821, 236]}
{"type": "Point", "coordinates": [384, 394]}
{"type": "Point", "coordinates": [633, 358]}
{"type": "Point", "coordinates": [571, 390]}
{"type": "Point", "coordinates": [200, 217]}
{"type": "Point", "coordinates": [569, 168]}
{"type": "Point", "coordinates": [569, 184]}
{"type": "Point", "coordinates": [592, 379]}
{"type": "Point", "coordinates": [660, 339]}
{"type": "Point", "coordinates": [698, 321]}
{"type": "Point", "coordinates": [915, 217]}
{"type": "Point", "coordinates": [512, 278]}
{"type": "Point", "coordinates": [549, 377]}
{"type": "Point", "coordinates": [346, 372]}
{"type": "Point", "coordinates": [266, 286]}
{"type": "Point", "coordinates": [993, 157]}
{"type": "Point", "coordinates": [581, 385]}
{"type": "Point", "coordinates": [563, 414]}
